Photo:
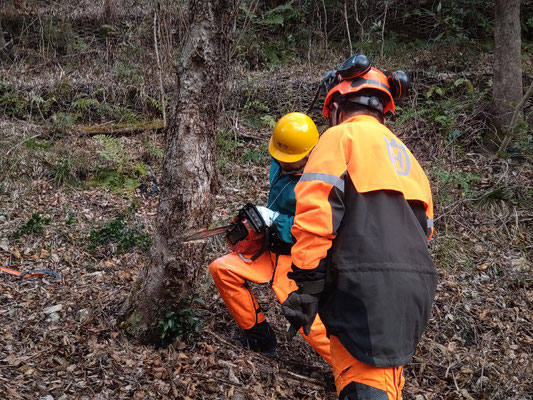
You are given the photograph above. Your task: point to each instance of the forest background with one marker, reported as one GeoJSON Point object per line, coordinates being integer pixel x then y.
{"type": "Point", "coordinates": [85, 90]}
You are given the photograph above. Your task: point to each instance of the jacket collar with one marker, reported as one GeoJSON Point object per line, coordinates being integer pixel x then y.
{"type": "Point", "coordinates": [360, 117]}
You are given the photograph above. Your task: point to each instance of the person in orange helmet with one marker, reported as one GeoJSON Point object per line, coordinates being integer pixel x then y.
{"type": "Point", "coordinates": [294, 135]}
{"type": "Point", "coordinates": [364, 214]}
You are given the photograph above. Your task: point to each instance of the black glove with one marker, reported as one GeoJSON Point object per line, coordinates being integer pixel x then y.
{"type": "Point", "coordinates": [300, 309]}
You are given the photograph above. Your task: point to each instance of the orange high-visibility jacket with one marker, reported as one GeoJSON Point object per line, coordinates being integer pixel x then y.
{"type": "Point", "coordinates": [364, 214]}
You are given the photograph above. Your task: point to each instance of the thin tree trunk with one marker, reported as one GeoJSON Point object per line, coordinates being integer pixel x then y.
{"type": "Point", "coordinates": [361, 26]}
{"type": "Point", "coordinates": [347, 28]}
{"type": "Point", "coordinates": [507, 87]}
{"type": "Point", "coordinates": [2, 40]}
{"type": "Point", "coordinates": [189, 176]}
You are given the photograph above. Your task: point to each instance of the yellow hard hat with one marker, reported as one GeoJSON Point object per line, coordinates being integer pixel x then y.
{"type": "Point", "coordinates": [294, 136]}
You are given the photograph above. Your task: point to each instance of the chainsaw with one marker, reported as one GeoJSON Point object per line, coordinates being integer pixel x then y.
{"type": "Point", "coordinates": [247, 235]}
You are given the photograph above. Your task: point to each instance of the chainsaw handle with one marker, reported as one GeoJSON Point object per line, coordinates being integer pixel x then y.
{"type": "Point", "coordinates": [263, 248]}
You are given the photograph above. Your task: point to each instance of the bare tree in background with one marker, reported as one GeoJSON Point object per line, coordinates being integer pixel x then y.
{"type": "Point", "coordinates": [507, 81]}
{"type": "Point", "coordinates": [108, 9]}
{"type": "Point", "coordinates": [189, 176]}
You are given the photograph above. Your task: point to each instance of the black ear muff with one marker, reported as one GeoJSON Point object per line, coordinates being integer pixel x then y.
{"type": "Point", "coordinates": [353, 67]}
{"type": "Point", "coordinates": [329, 80]}
{"type": "Point", "coordinates": [399, 83]}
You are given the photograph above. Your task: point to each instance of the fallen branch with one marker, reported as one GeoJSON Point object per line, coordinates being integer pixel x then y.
{"type": "Point", "coordinates": [122, 129]}
{"type": "Point", "coordinates": [304, 378]}
{"type": "Point", "coordinates": [20, 143]}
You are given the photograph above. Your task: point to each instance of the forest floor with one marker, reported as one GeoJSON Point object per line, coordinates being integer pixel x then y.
{"type": "Point", "coordinates": [84, 206]}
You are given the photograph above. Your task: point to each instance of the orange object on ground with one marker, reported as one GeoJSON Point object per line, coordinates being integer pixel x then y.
{"type": "Point", "coordinates": [231, 273]}
{"type": "Point", "coordinates": [39, 273]}
{"type": "Point", "coordinates": [352, 375]}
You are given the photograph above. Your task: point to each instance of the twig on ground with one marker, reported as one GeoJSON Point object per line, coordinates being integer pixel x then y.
{"type": "Point", "coordinates": [21, 143]}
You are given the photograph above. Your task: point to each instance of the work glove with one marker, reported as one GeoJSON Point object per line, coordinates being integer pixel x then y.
{"type": "Point", "coordinates": [300, 310]}
{"type": "Point", "coordinates": [268, 215]}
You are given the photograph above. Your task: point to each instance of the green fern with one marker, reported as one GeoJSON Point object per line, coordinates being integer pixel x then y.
{"type": "Point", "coordinates": [112, 150]}
{"type": "Point", "coordinates": [85, 104]}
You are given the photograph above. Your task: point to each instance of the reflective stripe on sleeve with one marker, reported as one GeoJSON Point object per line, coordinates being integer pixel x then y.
{"type": "Point", "coordinates": [430, 223]}
{"type": "Point", "coordinates": [327, 178]}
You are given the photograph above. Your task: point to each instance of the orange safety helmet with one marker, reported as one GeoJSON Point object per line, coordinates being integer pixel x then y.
{"type": "Point", "coordinates": [372, 79]}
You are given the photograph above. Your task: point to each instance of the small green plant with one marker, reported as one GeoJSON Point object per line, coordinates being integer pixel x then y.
{"type": "Point", "coordinates": [452, 253]}
{"type": "Point", "coordinates": [254, 112]}
{"type": "Point", "coordinates": [63, 120]}
{"type": "Point", "coordinates": [71, 219]}
{"type": "Point", "coordinates": [114, 180]}
{"type": "Point", "coordinates": [228, 150]}
{"type": "Point", "coordinates": [255, 156]}
{"type": "Point", "coordinates": [13, 104]}
{"type": "Point", "coordinates": [112, 150]}
{"type": "Point", "coordinates": [34, 144]}
{"type": "Point", "coordinates": [449, 182]}
{"type": "Point", "coordinates": [125, 71]}
{"type": "Point", "coordinates": [268, 121]}
{"type": "Point", "coordinates": [59, 36]}
{"type": "Point", "coordinates": [87, 108]}
{"type": "Point", "coordinates": [120, 174]}
{"type": "Point", "coordinates": [117, 232]}
{"type": "Point", "coordinates": [35, 225]}
{"type": "Point", "coordinates": [182, 324]}
{"type": "Point", "coordinates": [274, 36]}
{"type": "Point", "coordinates": [152, 152]}
{"type": "Point", "coordinates": [62, 171]}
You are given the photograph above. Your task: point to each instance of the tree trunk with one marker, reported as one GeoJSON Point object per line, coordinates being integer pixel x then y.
{"type": "Point", "coordinates": [189, 175]}
{"type": "Point", "coordinates": [507, 81]}
{"type": "Point", "coordinates": [2, 40]}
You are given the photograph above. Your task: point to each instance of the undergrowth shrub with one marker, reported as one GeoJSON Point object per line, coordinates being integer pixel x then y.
{"type": "Point", "coordinates": [63, 107]}
{"type": "Point", "coordinates": [182, 324]}
{"type": "Point", "coordinates": [452, 111]}
{"type": "Point", "coordinates": [151, 151]}
{"type": "Point", "coordinates": [228, 149]}
{"type": "Point", "coordinates": [117, 172]}
{"type": "Point", "coordinates": [65, 166]}
{"type": "Point", "coordinates": [34, 226]}
{"type": "Point", "coordinates": [454, 185]}
{"type": "Point", "coordinates": [117, 233]}
{"type": "Point", "coordinates": [257, 156]}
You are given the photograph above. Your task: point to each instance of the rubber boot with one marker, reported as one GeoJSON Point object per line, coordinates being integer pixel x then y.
{"type": "Point", "coordinates": [260, 338]}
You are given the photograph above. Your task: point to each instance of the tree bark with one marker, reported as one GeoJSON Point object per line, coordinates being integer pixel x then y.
{"type": "Point", "coordinates": [507, 81]}
{"type": "Point", "coordinates": [189, 176]}
{"type": "Point", "coordinates": [2, 40]}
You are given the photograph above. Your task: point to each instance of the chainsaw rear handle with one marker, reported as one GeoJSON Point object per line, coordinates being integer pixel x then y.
{"type": "Point", "coordinates": [248, 235]}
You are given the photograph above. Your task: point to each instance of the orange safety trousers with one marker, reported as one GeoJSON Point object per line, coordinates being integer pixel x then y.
{"type": "Point", "coordinates": [346, 369]}
{"type": "Point", "coordinates": [231, 273]}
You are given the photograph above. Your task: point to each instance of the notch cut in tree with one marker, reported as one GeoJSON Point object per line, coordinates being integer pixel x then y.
{"type": "Point", "coordinates": [189, 174]}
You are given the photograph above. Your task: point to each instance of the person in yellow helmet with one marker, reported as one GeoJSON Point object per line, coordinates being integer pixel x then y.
{"type": "Point", "coordinates": [293, 138]}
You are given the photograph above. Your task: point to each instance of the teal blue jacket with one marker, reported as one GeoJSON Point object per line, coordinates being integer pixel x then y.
{"type": "Point", "coordinates": [281, 199]}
